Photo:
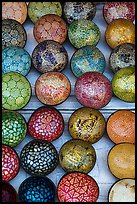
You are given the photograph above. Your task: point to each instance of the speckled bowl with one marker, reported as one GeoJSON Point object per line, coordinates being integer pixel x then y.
{"type": "Point", "coordinates": [39, 157]}
{"type": "Point", "coordinates": [52, 88]}
{"type": "Point", "coordinates": [50, 27]}
{"type": "Point", "coordinates": [116, 10]}
{"type": "Point", "coordinates": [122, 190]}
{"type": "Point", "coordinates": [10, 163]}
{"type": "Point", "coordinates": [74, 187]}
{"type": "Point", "coordinates": [87, 124]}
{"type": "Point", "coordinates": [16, 91]}
{"type": "Point", "coordinates": [16, 59]}
{"type": "Point", "coordinates": [46, 123]}
{"type": "Point", "coordinates": [14, 128]}
{"type": "Point", "coordinates": [78, 10]}
{"type": "Point", "coordinates": [9, 194]}
{"type": "Point", "coordinates": [122, 56]}
{"type": "Point", "coordinates": [87, 59]}
{"type": "Point", "coordinates": [14, 10]}
{"type": "Point", "coordinates": [121, 126]}
{"type": "Point", "coordinates": [37, 189]}
{"type": "Point", "coordinates": [120, 31]}
{"type": "Point", "coordinates": [39, 9]}
{"type": "Point", "coordinates": [77, 155]}
{"type": "Point", "coordinates": [49, 56]}
{"type": "Point", "coordinates": [123, 84]}
{"type": "Point", "coordinates": [83, 32]}
{"type": "Point", "coordinates": [13, 34]}
{"type": "Point", "coordinates": [93, 90]}
{"type": "Point", "coordinates": [121, 160]}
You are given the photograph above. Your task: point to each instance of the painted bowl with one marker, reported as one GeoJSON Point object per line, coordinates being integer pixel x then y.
{"type": "Point", "coordinates": [9, 194]}
{"type": "Point", "coordinates": [121, 126]}
{"type": "Point", "coordinates": [39, 157]}
{"type": "Point", "coordinates": [87, 59]}
{"type": "Point", "coordinates": [74, 187]}
{"type": "Point", "coordinates": [49, 56]}
{"type": "Point", "coordinates": [14, 128]}
{"type": "Point", "coordinates": [78, 10]}
{"type": "Point", "coordinates": [46, 123]}
{"type": "Point", "coordinates": [77, 155]}
{"type": "Point", "coordinates": [39, 9]}
{"type": "Point", "coordinates": [120, 31]}
{"type": "Point", "coordinates": [121, 160]}
{"type": "Point", "coordinates": [16, 59]}
{"type": "Point", "coordinates": [50, 27]}
{"type": "Point", "coordinates": [83, 32]}
{"type": "Point", "coordinates": [13, 34]}
{"type": "Point", "coordinates": [123, 84]}
{"type": "Point", "coordinates": [16, 91]}
{"type": "Point", "coordinates": [87, 124]}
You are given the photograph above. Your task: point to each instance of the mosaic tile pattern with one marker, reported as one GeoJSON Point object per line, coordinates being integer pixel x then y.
{"type": "Point", "coordinates": [50, 27]}
{"type": "Point", "coordinates": [13, 34]}
{"type": "Point", "coordinates": [39, 9]}
{"type": "Point", "coordinates": [87, 124]}
{"type": "Point", "coordinates": [14, 10]}
{"type": "Point", "coordinates": [123, 84]}
{"type": "Point", "coordinates": [8, 193]}
{"type": "Point", "coordinates": [77, 187]}
{"type": "Point", "coordinates": [16, 91]}
{"type": "Point", "coordinates": [86, 59]}
{"type": "Point", "coordinates": [122, 56]}
{"type": "Point", "coordinates": [77, 155]}
{"type": "Point", "coordinates": [10, 163]}
{"type": "Point", "coordinates": [120, 31]}
{"type": "Point", "coordinates": [52, 88]}
{"type": "Point", "coordinates": [93, 90]}
{"type": "Point", "coordinates": [116, 10]}
{"type": "Point", "coordinates": [83, 32]}
{"type": "Point", "coordinates": [49, 56]}
{"type": "Point", "coordinates": [46, 123]}
{"type": "Point", "coordinates": [79, 10]}
{"type": "Point", "coordinates": [14, 128]}
{"type": "Point", "coordinates": [15, 59]}
{"type": "Point", "coordinates": [37, 189]}
{"type": "Point", "coordinates": [39, 157]}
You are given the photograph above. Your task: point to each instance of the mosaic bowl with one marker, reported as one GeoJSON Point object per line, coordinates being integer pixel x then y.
{"type": "Point", "coordinates": [49, 56]}
{"type": "Point", "coordinates": [123, 84]}
{"type": "Point", "coordinates": [87, 124]}
{"type": "Point", "coordinates": [13, 34]}
{"type": "Point", "coordinates": [10, 163]}
{"type": "Point", "coordinates": [39, 157]}
{"type": "Point", "coordinates": [16, 59]}
{"type": "Point", "coordinates": [116, 10]}
{"type": "Point", "coordinates": [16, 91]}
{"type": "Point", "coordinates": [120, 31]}
{"type": "Point", "coordinates": [50, 27]}
{"type": "Point", "coordinates": [121, 126]}
{"type": "Point", "coordinates": [78, 10]}
{"type": "Point", "coordinates": [39, 9]}
{"type": "Point", "coordinates": [77, 155]}
{"type": "Point", "coordinates": [83, 32]}
{"type": "Point", "coordinates": [86, 59]}
{"type": "Point", "coordinates": [14, 10]}
{"type": "Point", "coordinates": [122, 191]}
{"type": "Point", "coordinates": [122, 56]}
{"type": "Point", "coordinates": [14, 128]}
{"type": "Point", "coordinates": [93, 90]}
{"type": "Point", "coordinates": [52, 88]}
{"type": "Point", "coordinates": [74, 187]}
{"type": "Point", "coordinates": [9, 194]}
{"type": "Point", "coordinates": [46, 123]}
{"type": "Point", "coordinates": [121, 160]}
{"type": "Point", "coordinates": [37, 189]}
